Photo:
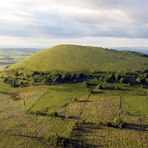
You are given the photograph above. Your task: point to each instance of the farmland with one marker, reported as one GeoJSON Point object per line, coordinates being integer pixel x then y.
{"type": "Point", "coordinates": [81, 117]}
{"type": "Point", "coordinates": [75, 107]}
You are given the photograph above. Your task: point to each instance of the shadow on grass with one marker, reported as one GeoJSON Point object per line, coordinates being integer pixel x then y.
{"type": "Point", "coordinates": [115, 88]}
{"type": "Point", "coordinates": [90, 125]}
{"type": "Point", "coordinates": [96, 92]}
{"type": "Point", "coordinates": [92, 84]}
{"type": "Point", "coordinates": [86, 127]}
{"type": "Point", "coordinates": [73, 117]}
{"type": "Point", "coordinates": [137, 127]}
{"type": "Point", "coordinates": [76, 143]}
{"type": "Point", "coordinates": [58, 141]}
{"type": "Point", "coordinates": [84, 101]}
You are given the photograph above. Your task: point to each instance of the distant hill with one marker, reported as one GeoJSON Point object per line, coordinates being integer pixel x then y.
{"type": "Point", "coordinates": [79, 58]}
{"type": "Point", "coordinates": [137, 49]}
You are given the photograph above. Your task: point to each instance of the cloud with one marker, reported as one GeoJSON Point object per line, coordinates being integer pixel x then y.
{"type": "Point", "coordinates": [74, 19]}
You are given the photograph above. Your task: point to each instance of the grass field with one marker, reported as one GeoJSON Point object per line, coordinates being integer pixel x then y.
{"type": "Point", "coordinates": [59, 96]}
{"type": "Point", "coordinates": [136, 105]}
{"type": "Point", "coordinates": [19, 128]}
{"type": "Point", "coordinates": [105, 109]}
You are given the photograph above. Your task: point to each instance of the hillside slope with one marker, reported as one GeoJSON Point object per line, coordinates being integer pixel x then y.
{"type": "Point", "coordinates": [74, 57]}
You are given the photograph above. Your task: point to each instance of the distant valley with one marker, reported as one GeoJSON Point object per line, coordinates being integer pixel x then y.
{"type": "Point", "coordinates": [9, 56]}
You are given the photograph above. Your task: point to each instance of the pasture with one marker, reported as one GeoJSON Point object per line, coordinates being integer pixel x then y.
{"type": "Point", "coordinates": [59, 96]}
{"type": "Point", "coordinates": [82, 116]}
{"type": "Point", "coordinates": [136, 105]}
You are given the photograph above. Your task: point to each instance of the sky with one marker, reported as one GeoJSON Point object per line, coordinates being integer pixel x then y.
{"type": "Point", "coordinates": [45, 23]}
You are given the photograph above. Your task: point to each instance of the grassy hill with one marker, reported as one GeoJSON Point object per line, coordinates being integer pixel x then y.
{"type": "Point", "coordinates": [79, 58]}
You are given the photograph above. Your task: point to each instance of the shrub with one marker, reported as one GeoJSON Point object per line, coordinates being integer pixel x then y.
{"type": "Point", "coordinates": [118, 122]}
{"type": "Point", "coordinates": [123, 80]}
{"type": "Point", "coordinates": [110, 78]}
{"type": "Point", "coordinates": [18, 73]}
{"type": "Point", "coordinates": [118, 77]}
{"type": "Point", "coordinates": [83, 121]}
{"type": "Point", "coordinates": [85, 83]}
{"type": "Point", "coordinates": [117, 88]}
{"type": "Point", "coordinates": [75, 100]}
{"type": "Point", "coordinates": [99, 86]}
{"type": "Point", "coordinates": [53, 114]}
{"type": "Point", "coordinates": [101, 123]}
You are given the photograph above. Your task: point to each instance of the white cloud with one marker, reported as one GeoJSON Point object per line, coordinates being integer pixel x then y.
{"type": "Point", "coordinates": [73, 21]}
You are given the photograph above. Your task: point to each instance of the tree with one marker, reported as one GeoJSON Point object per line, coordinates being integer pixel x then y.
{"type": "Point", "coordinates": [99, 86]}
{"type": "Point", "coordinates": [110, 78]}
{"type": "Point", "coordinates": [85, 83]}
{"type": "Point", "coordinates": [146, 80]}
{"type": "Point", "coordinates": [123, 80]}
{"type": "Point", "coordinates": [118, 77]}
{"type": "Point", "coordinates": [140, 81]}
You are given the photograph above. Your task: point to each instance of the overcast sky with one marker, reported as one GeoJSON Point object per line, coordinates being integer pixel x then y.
{"type": "Point", "coordinates": [44, 23]}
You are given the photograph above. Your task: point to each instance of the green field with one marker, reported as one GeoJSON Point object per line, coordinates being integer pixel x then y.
{"type": "Point", "coordinates": [58, 96]}
{"type": "Point", "coordinates": [136, 105]}
{"type": "Point", "coordinates": [21, 128]}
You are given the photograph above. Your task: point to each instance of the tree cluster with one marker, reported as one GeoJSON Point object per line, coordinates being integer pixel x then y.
{"type": "Point", "coordinates": [19, 79]}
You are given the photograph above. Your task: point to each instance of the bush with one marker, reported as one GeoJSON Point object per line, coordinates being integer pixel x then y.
{"type": "Point", "coordinates": [123, 80]}
{"type": "Point", "coordinates": [118, 122]}
{"type": "Point", "coordinates": [101, 123]}
{"type": "Point", "coordinates": [99, 86]}
{"type": "Point", "coordinates": [117, 88]}
{"type": "Point", "coordinates": [85, 83]}
{"type": "Point", "coordinates": [75, 100]}
{"type": "Point", "coordinates": [110, 78]}
{"type": "Point", "coordinates": [53, 114]}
